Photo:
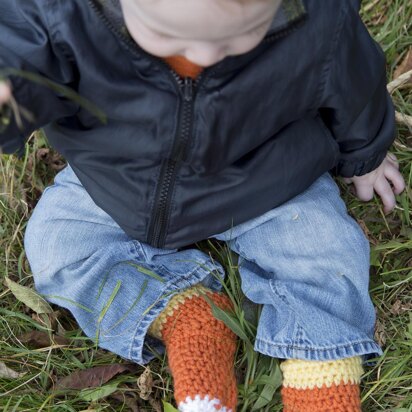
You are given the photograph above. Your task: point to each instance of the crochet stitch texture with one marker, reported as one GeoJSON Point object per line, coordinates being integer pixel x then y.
{"type": "Point", "coordinates": [201, 351]}
{"type": "Point", "coordinates": [315, 386]}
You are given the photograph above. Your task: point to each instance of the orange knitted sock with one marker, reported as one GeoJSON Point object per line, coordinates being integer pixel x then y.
{"type": "Point", "coordinates": [200, 351]}
{"type": "Point", "coordinates": [314, 386]}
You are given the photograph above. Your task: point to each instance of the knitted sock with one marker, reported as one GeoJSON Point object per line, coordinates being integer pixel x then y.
{"type": "Point", "coordinates": [314, 386]}
{"type": "Point", "coordinates": [200, 351]}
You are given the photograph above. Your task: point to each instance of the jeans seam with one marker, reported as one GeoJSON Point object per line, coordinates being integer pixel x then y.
{"type": "Point", "coordinates": [275, 290]}
{"type": "Point", "coordinates": [138, 250]}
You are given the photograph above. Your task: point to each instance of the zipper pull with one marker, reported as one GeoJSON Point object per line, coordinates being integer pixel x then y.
{"type": "Point", "coordinates": [188, 89]}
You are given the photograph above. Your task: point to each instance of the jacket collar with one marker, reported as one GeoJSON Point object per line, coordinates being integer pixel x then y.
{"type": "Point", "coordinates": [289, 12]}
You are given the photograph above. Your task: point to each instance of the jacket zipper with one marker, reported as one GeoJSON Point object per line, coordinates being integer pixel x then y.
{"type": "Point", "coordinates": [157, 229]}
{"type": "Point", "coordinates": [187, 89]}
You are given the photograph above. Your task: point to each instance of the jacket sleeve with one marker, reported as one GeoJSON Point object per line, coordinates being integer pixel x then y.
{"type": "Point", "coordinates": [356, 105]}
{"type": "Point", "coordinates": [25, 44]}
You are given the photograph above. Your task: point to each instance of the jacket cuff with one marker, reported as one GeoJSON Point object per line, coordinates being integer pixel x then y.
{"type": "Point", "coordinates": [358, 168]}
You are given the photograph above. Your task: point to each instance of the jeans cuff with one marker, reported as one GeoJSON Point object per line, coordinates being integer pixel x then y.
{"type": "Point", "coordinates": [366, 349]}
{"type": "Point", "coordinates": [139, 348]}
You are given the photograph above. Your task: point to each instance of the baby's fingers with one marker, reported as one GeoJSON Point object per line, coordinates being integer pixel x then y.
{"type": "Point", "coordinates": [392, 159]}
{"type": "Point", "coordinates": [396, 178]}
{"type": "Point", "coordinates": [5, 93]}
{"type": "Point", "coordinates": [384, 190]}
{"type": "Point", "coordinates": [364, 190]}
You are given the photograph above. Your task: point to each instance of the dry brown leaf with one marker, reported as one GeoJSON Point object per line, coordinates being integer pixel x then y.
{"type": "Point", "coordinates": [94, 377]}
{"type": "Point", "coordinates": [37, 339]}
{"type": "Point", "coordinates": [145, 384]}
{"type": "Point", "coordinates": [47, 319]}
{"type": "Point", "coordinates": [128, 399]}
{"type": "Point", "coordinates": [380, 332]}
{"type": "Point", "coordinates": [404, 66]}
{"type": "Point", "coordinates": [399, 307]}
{"type": "Point", "coordinates": [156, 405]}
{"type": "Point", "coordinates": [51, 158]}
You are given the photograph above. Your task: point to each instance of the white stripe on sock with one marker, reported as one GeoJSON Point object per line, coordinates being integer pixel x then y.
{"type": "Point", "coordinates": [201, 405]}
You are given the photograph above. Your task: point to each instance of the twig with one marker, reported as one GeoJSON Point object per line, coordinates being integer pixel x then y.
{"type": "Point", "coordinates": [403, 119]}
{"type": "Point", "coordinates": [370, 6]}
{"type": "Point", "coordinates": [399, 81]}
{"type": "Point", "coordinates": [402, 146]}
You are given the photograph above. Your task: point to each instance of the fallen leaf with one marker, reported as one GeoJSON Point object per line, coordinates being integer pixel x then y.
{"type": "Point", "coordinates": [380, 333]}
{"type": "Point", "coordinates": [37, 339]}
{"type": "Point", "coordinates": [127, 399]}
{"type": "Point", "coordinates": [404, 66]}
{"type": "Point", "coordinates": [51, 158]}
{"type": "Point", "coordinates": [157, 406]}
{"type": "Point", "coordinates": [399, 307]}
{"type": "Point", "coordinates": [94, 377]}
{"type": "Point", "coordinates": [145, 384]}
{"type": "Point", "coordinates": [28, 296]}
{"type": "Point", "coordinates": [47, 319]}
{"type": "Point", "coordinates": [94, 394]}
{"type": "Point", "coordinates": [7, 373]}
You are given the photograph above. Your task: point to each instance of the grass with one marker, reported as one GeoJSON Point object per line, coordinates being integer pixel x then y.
{"type": "Point", "coordinates": [386, 386]}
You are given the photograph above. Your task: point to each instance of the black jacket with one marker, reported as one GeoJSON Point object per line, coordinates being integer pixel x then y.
{"type": "Point", "coordinates": [181, 160]}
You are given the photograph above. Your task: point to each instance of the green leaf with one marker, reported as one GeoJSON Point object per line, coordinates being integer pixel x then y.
{"type": "Point", "coordinates": [109, 302]}
{"type": "Point", "coordinates": [375, 258]}
{"type": "Point", "coordinates": [29, 297]}
{"type": "Point", "coordinates": [93, 394]}
{"type": "Point", "coordinates": [410, 324]}
{"type": "Point", "coordinates": [268, 391]}
{"type": "Point", "coordinates": [167, 407]}
{"type": "Point", "coordinates": [146, 271]}
{"type": "Point", "coordinates": [228, 319]}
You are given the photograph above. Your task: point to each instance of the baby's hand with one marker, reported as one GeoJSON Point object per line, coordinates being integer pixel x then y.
{"type": "Point", "coordinates": [5, 93]}
{"type": "Point", "coordinates": [378, 180]}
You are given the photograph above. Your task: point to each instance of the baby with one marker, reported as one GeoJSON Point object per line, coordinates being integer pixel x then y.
{"type": "Point", "coordinates": [225, 119]}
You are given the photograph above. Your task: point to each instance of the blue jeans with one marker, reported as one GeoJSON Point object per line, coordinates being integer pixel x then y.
{"type": "Point", "coordinates": [306, 262]}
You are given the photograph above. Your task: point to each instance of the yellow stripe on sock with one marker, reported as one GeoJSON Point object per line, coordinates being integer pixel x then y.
{"type": "Point", "coordinates": [156, 327]}
{"type": "Point", "coordinates": [303, 374]}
